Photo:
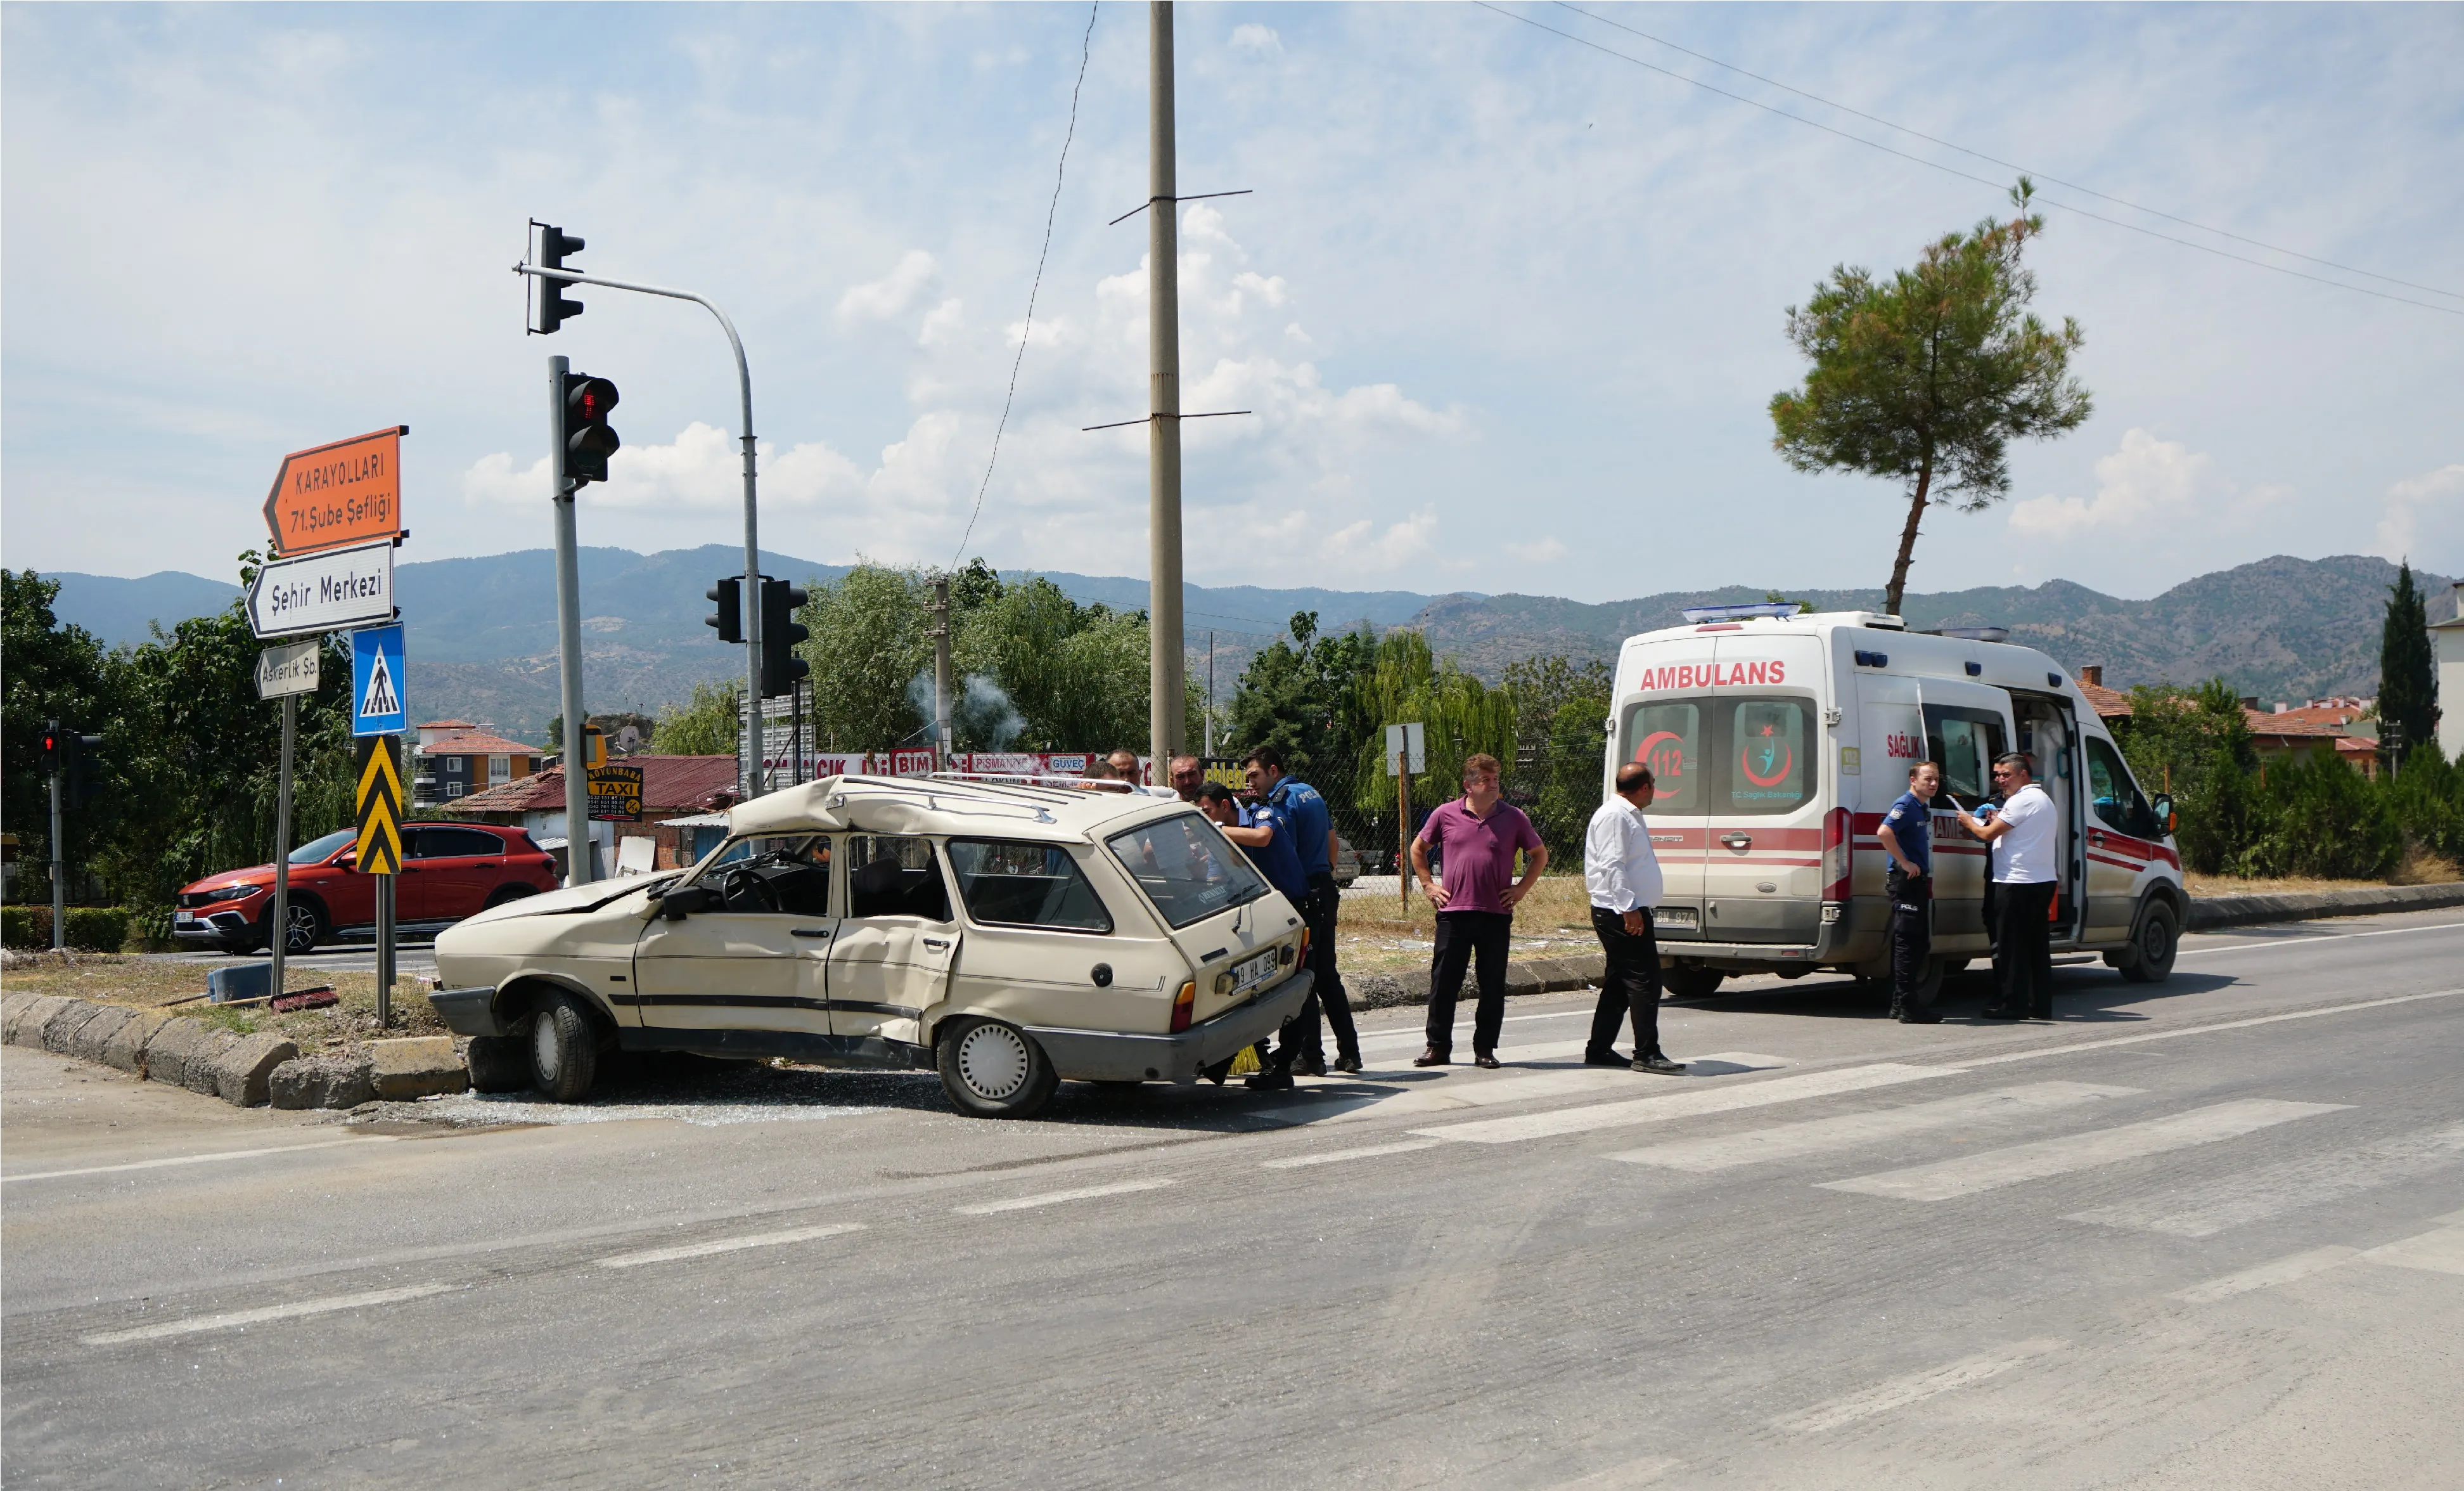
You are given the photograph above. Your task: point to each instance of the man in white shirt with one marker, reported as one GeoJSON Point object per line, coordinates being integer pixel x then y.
{"type": "Point", "coordinates": [1622, 875]}
{"type": "Point", "coordinates": [2023, 840]}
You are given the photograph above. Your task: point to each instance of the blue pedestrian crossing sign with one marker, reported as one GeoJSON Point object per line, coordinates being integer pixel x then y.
{"type": "Point", "coordinates": [377, 706]}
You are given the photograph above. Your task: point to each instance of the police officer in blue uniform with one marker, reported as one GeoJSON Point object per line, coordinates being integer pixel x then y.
{"type": "Point", "coordinates": [1265, 833]}
{"type": "Point", "coordinates": [1312, 833]}
{"type": "Point", "coordinates": [1907, 836]}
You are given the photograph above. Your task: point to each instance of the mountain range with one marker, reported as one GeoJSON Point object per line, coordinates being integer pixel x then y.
{"type": "Point", "coordinates": [482, 632]}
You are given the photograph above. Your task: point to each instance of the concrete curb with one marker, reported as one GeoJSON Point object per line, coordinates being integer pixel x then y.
{"type": "Point", "coordinates": [246, 1071]}
{"type": "Point", "coordinates": [2245, 910]}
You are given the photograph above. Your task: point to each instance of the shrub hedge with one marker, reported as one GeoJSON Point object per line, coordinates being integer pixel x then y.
{"type": "Point", "coordinates": [88, 929]}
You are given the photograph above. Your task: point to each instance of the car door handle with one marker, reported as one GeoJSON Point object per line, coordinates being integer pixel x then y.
{"type": "Point", "coordinates": [1737, 841]}
{"type": "Point", "coordinates": [935, 943]}
{"type": "Point", "coordinates": [810, 931]}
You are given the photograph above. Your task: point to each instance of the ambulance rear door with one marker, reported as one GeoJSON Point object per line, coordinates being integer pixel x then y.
{"type": "Point", "coordinates": [1763, 866]}
{"type": "Point", "coordinates": [1664, 712]}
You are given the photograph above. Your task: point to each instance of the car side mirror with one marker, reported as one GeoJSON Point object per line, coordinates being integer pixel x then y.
{"type": "Point", "coordinates": [2164, 810]}
{"type": "Point", "coordinates": [687, 899]}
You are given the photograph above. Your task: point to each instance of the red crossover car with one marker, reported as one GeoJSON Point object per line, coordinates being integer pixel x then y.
{"type": "Point", "coordinates": [449, 871]}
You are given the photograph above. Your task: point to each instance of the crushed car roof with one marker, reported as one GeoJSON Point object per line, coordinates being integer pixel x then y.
{"type": "Point", "coordinates": [947, 805]}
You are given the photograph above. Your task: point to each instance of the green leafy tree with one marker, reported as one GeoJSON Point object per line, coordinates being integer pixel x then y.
{"type": "Point", "coordinates": [1561, 702]}
{"type": "Point", "coordinates": [1461, 716]}
{"type": "Point", "coordinates": [2407, 678]}
{"type": "Point", "coordinates": [52, 671]}
{"type": "Point", "coordinates": [2320, 817]}
{"type": "Point", "coordinates": [868, 641]}
{"type": "Point", "coordinates": [1926, 378]}
{"type": "Point", "coordinates": [2196, 745]}
{"type": "Point", "coordinates": [707, 724]}
{"type": "Point", "coordinates": [1299, 695]}
{"type": "Point", "coordinates": [1076, 676]}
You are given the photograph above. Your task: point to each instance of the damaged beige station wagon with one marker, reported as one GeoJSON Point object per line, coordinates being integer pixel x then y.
{"type": "Point", "coordinates": [1011, 935]}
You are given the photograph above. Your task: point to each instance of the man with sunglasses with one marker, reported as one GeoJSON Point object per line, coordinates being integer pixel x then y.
{"type": "Point", "coordinates": [1477, 836]}
{"type": "Point", "coordinates": [2021, 835]}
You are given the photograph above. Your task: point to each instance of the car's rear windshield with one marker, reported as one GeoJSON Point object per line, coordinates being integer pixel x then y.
{"type": "Point", "coordinates": [1187, 869]}
{"type": "Point", "coordinates": [318, 851]}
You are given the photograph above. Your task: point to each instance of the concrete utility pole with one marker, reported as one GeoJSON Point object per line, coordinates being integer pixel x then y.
{"type": "Point", "coordinates": [1165, 690]}
{"type": "Point", "coordinates": [59, 856]}
{"type": "Point", "coordinates": [941, 674]}
{"type": "Point", "coordinates": [569, 633]}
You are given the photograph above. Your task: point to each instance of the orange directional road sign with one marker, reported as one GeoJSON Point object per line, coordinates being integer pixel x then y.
{"type": "Point", "coordinates": [380, 805]}
{"type": "Point", "coordinates": [348, 492]}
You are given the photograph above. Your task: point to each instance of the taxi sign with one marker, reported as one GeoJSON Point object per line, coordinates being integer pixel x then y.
{"type": "Point", "coordinates": [379, 800]}
{"type": "Point", "coordinates": [348, 492]}
{"type": "Point", "coordinates": [377, 706]}
{"type": "Point", "coordinates": [616, 793]}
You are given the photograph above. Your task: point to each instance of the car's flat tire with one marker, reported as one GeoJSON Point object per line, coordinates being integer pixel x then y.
{"type": "Point", "coordinates": [499, 1063]}
{"type": "Point", "coordinates": [992, 1069]}
{"type": "Point", "coordinates": [2153, 946]}
{"type": "Point", "coordinates": [564, 1050]}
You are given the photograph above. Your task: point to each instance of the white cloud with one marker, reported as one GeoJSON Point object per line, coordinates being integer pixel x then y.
{"type": "Point", "coordinates": [1251, 37]}
{"type": "Point", "coordinates": [889, 296]}
{"type": "Point", "coordinates": [2423, 519]}
{"type": "Point", "coordinates": [2145, 483]}
{"type": "Point", "coordinates": [1539, 551]}
{"type": "Point", "coordinates": [943, 324]}
{"type": "Point", "coordinates": [701, 470]}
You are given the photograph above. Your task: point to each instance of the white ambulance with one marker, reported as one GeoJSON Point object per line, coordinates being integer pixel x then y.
{"type": "Point", "coordinates": [1778, 740]}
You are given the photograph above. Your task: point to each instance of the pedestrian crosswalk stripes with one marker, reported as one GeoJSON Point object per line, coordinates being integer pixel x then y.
{"type": "Point", "coordinates": [1881, 1125]}
{"type": "Point", "coordinates": [1916, 1387]}
{"type": "Point", "coordinates": [1323, 1104]}
{"type": "Point", "coordinates": [1684, 1103]}
{"type": "Point", "coordinates": [2268, 1275]}
{"type": "Point", "coordinates": [2442, 1251]}
{"type": "Point", "coordinates": [2204, 1207]}
{"type": "Point", "coordinates": [1967, 1174]}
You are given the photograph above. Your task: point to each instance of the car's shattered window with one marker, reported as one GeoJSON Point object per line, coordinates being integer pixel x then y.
{"type": "Point", "coordinates": [788, 874]}
{"type": "Point", "coordinates": [1187, 869]}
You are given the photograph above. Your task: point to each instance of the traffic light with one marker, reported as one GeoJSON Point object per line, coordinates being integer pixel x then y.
{"type": "Point", "coordinates": [729, 617]}
{"type": "Point", "coordinates": [81, 759]}
{"type": "Point", "coordinates": [781, 667]}
{"type": "Point", "coordinates": [588, 438]}
{"type": "Point", "coordinates": [553, 309]}
{"type": "Point", "coordinates": [52, 748]}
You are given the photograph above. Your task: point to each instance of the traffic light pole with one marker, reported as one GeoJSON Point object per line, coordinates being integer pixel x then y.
{"type": "Point", "coordinates": [748, 767]}
{"type": "Point", "coordinates": [569, 633]}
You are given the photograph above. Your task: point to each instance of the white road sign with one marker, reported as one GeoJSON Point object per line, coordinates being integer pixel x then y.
{"type": "Point", "coordinates": [323, 592]}
{"type": "Point", "coordinates": [288, 669]}
{"type": "Point", "coordinates": [1407, 739]}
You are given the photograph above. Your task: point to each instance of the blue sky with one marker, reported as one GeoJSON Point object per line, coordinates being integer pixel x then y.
{"type": "Point", "coordinates": [1510, 310]}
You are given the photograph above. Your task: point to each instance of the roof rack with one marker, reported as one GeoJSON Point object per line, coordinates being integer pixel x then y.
{"type": "Point", "coordinates": [1079, 784]}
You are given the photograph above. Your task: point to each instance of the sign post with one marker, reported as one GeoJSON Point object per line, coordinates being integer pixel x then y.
{"type": "Point", "coordinates": [378, 804]}
{"type": "Point", "coordinates": [323, 592]}
{"type": "Point", "coordinates": [1407, 752]}
{"type": "Point", "coordinates": [349, 492]}
{"type": "Point", "coordinates": [285, 673]}
{"type": "Point", "coordinates": [380, 714]}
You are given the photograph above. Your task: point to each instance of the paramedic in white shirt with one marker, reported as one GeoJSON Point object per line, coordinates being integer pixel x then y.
{"type": "Point", "coordinates": [2021, 834]}
{"type": "Point", "coordinates": [1622, 875]}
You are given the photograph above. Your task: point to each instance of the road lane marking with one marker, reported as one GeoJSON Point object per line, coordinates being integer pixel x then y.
{"type": "Point", "coordinates": [2441, 1250]}
{"type": "Point", "coordinates": [1056, 1197]}
{"type": "Point", "coordinates": [201, 1159]}
{"type": "Point", "coordinates": [1967, 1174]}
{"type": "Point", "coordinates": [1366, 1152]}
{"type": "Point", "coordinates": [2266, 1276]}
{"type": "Point", "coordinates": [1683, 1103]}
{"type": "Point", "coordinates": [2202, 1029]}
{"type": "Point", "coordinates": [2323, 937]}
{"type": "Point", "coordinates": [2207, 1208]}
{"type": "Point", "coordinates": [703, 1250]}
{"type": "Point", "coordinates": [234, 1318]}
{"type": "Point", "coordinates": [1901, 1392]}
{"type": "Point", "coordinates": [1849, 1130]}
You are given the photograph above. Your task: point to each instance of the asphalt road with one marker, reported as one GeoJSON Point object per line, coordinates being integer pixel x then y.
{"type": "Point", "coordinates": [2210, 1234]}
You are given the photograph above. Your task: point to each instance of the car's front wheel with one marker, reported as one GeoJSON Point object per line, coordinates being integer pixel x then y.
{"type": "Point", "coordinates": [994, 1070]}
{"type": "Point", "coordinates": [2152, 951]}
{"type": "Point", "coordinates": [565, 1051]}
{"type": "Point", "coordinates": [307, 924]}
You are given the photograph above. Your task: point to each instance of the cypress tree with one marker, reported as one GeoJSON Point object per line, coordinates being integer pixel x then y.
{"type": "Point", "coordinates": [2407, 682]}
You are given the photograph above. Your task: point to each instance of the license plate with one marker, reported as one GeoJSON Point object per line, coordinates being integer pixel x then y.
{"type": "Point", "coordinates": [1253, 972]}
{"type": "Point", "coordinates": [1674, 917]}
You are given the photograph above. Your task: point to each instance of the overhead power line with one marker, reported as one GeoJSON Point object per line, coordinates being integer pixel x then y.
{"type": "Point", "coordinates": [2221, 232]}
{"type": "Point", "coordinates": [1952, 171]}
{"type": "Point", "coordinates": [1060, 172]}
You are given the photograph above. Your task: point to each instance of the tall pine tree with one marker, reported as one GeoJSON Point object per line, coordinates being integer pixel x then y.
{"type": "Point", "coordinates": [2407, 682]}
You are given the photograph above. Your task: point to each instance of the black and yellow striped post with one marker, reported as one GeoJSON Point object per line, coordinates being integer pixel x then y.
{"type": "Point", "coordinates": [379, 802]}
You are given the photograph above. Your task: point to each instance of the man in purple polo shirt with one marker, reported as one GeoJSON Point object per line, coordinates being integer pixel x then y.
{"type": "Point", "coordinates": [1475, 837]}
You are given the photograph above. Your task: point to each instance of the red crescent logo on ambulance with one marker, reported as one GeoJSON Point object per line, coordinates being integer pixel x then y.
{"type": "Point", "coordinates": [1774, 753]}
{"type": "Point", "coordinates": [1664, 760]}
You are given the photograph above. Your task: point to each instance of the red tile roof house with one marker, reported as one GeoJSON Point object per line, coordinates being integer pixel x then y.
{"type": "Point", "coordinates": [454, 758]}
{"type": "Point", "coordinates": [673, 786]}
{"type": "Point", "coordinates": [2332, 721]}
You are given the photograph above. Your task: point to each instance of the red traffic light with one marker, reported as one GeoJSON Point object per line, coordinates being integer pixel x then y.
{"type": "Point", "coordinates": [590, 399]}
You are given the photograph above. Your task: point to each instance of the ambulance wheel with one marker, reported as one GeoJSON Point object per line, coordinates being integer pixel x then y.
{"type": "Point", "coordinates": [993, 1070]}
{"type": "Point", "coordinates": [2158, 941]}
{"type": "Point", "coordinates": [565, 1051]}
{"type": "Point", "coordinates": [1692, 981]}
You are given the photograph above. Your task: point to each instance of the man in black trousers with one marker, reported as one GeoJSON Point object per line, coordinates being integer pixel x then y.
{"type": "Point", "coordinates": [1622, 875]}
{"type": "Point", "coordinates": [2022, 834]}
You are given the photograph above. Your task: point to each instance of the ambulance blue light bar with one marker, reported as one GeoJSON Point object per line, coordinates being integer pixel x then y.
{"type": "Point", "coordinates": [1698, 614]}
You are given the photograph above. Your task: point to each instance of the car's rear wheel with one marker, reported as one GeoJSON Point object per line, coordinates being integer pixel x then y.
{"type": "Point", "coordinates": [565, 1051]}
{"type": "Point", "coordinates": [1692, 981]}
{"type": "Point", "coordinates": [2153, 949]}
{"type": "Point", "coordinates": [307, 922]}
{"type": "Point", "coordinates": [994, 1070]}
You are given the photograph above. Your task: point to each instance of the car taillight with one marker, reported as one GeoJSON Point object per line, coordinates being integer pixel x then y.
{"type": "Point", "coordinates": [1838, 851]}
{"type": "Point", "coordinates": [1184, 1005]}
